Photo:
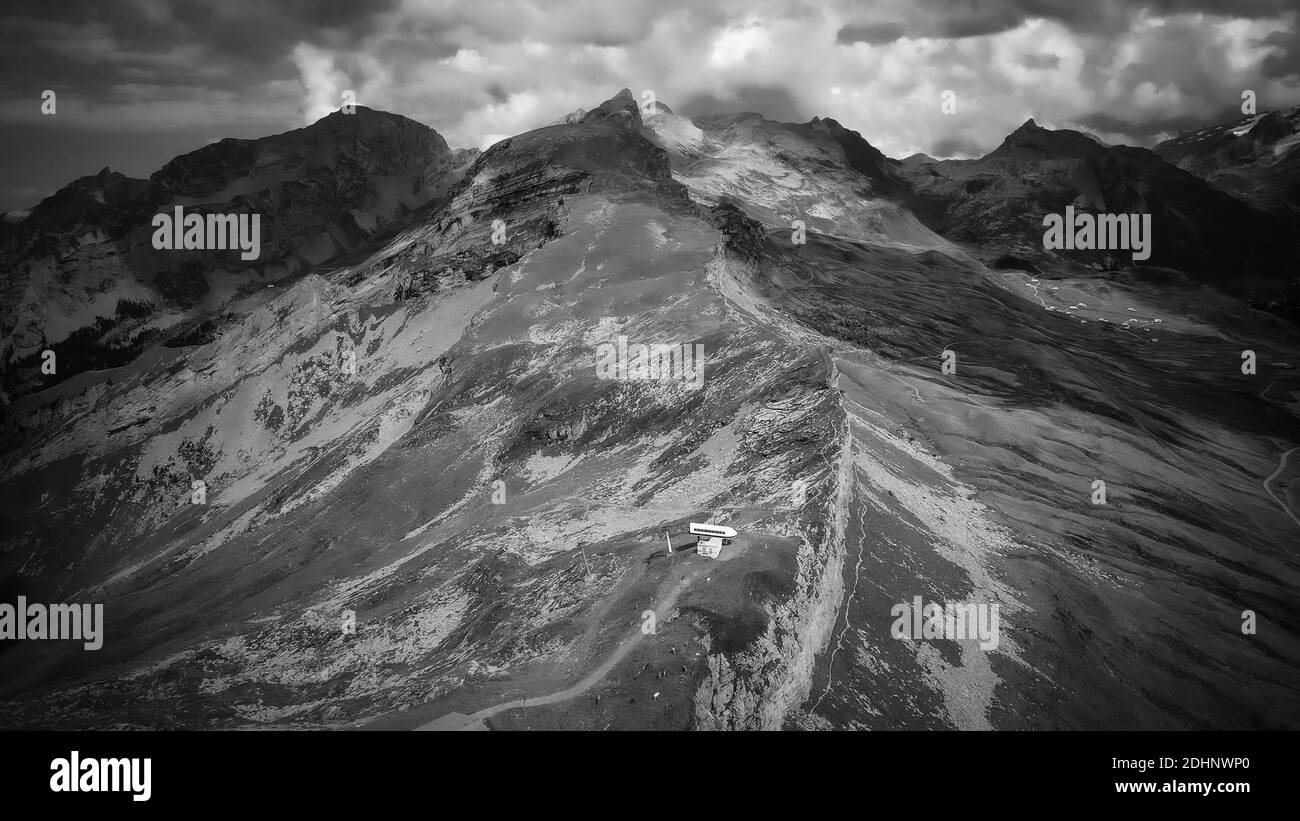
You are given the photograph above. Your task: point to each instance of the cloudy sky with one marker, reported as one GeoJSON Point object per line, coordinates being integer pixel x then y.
{"type": "Point", "coordinates": [141, 81]}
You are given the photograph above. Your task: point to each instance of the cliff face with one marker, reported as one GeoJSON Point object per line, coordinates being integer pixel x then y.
{"type": "Point", "coordinates": [758, 688]}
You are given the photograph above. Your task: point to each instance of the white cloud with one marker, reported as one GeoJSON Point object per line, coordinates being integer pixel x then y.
{"type": "Point", "coordinates": [735, 44]}
{"type": "Point", "coordinates": [496, 121]}
{"type": "Point", "coordinates": [322, 84]}
{"type": "Point", "coordinates": [467, 60]}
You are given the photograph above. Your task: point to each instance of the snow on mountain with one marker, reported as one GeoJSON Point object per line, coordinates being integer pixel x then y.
{"type": "Point", "coordinates": [1253, 158]}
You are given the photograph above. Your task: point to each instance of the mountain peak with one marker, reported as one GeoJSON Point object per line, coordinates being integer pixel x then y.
{"type": "Point", "coordinates": [827, 124]}
{"type": "Point", "coordinates": [1032, 140]}
{"type": "Point", "coordinates": [361, 117]}
{"type": "Point", "coordinates": [621, 110]}
{"type": "Point", "coordinates": [861, 155]}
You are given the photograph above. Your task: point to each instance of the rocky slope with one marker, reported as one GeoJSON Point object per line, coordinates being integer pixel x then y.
{"type": "Point", "coordinates": [975, 485]}
{"type": "Point", "coordinates": [1253, 158]}
{"type": "Point", "coordinates": [423, 506]}
{"type": "Point", "coordinates": [83, 279]}
{"type": "Point", "coordinates": [372, 490]}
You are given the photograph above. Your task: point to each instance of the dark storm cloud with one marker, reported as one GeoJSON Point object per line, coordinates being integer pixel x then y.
{"type": "Point", "coordinates": [172, 42]}
{"type": "Point", "coordinates": [261, 32]}
{"type": "Point", "coordinates": [1147, 132]}
{"type": "Point", "coordinates": [1287, 63]}
{"type": "Point", "coordinates": [976, 18]}
{"type": "Point", "coordinates": [1104, 15]}
{"type": "Point", "coordinates": [773, 102]}
{"type": "Point", "coordinates": [1251, 9]}
{"type": "Point", "coordinates": [431, 44]}
{"type": "Point", "coordinates": [872, 33]}
{"type": "Point", "coordinates": [600, 23]}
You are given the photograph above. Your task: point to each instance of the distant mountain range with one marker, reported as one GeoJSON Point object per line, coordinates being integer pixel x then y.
{"type": "Point", "coordinates": [324, 190]}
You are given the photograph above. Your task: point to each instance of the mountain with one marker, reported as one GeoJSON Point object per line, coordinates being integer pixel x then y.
{"type": "Point", "coordinates": [85, 282]}
{"type": "Point", "coordinates": [998, 202]}
{"type": "Point", "coordinates": [1253, 158]}
{"type": "Point", "coordinates": [818, 172]}
{"type": "Point", "coordinates": [425, 502]}
{"type": "Point", "coordinates": [1033, 143]}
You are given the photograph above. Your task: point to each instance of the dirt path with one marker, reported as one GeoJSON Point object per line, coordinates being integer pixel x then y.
{"type": "Point", "coordinates": [663, 606]}
{"type": "Point", "coordinates": [1281, 502]}
{"type": "Point", "coordinates": [1281, 462]}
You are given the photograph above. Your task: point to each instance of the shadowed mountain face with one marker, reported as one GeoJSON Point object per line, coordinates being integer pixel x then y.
{"type": "Point", "coordinates": [398, 490]}
{"type": "Point", "coordinates": [999, 202]}
{"type": "Point", "coordinates": [1254, 158]}
{"type": "Point", "coordinates": [84, 280]}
